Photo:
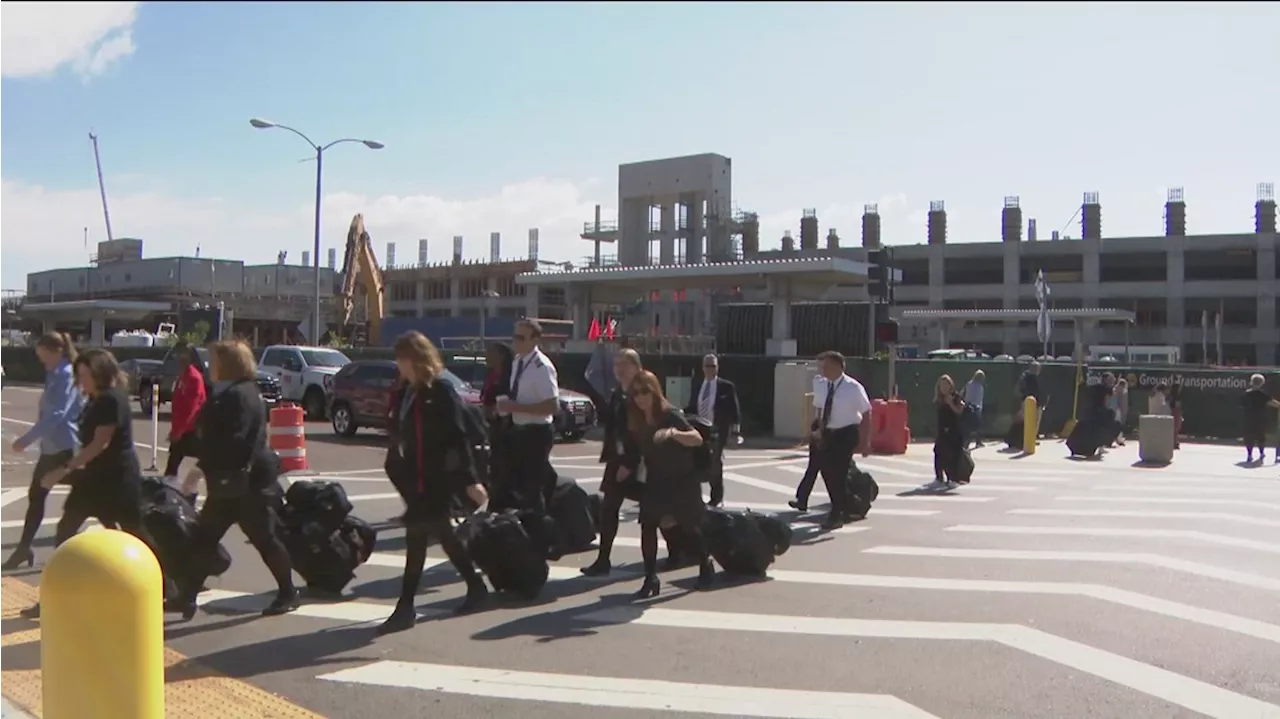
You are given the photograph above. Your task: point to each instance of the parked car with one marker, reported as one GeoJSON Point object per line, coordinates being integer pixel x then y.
{"type": "Point", "coordinates": [163, 374]}
{"type": "Point", "coordinates": [361, 395]}
{"type": "Point", "coordinates": [577, 412]}
{"type": "Point", "coordinates": [136, 369]}
{"type": "Point", "coordinates": [305, 374]}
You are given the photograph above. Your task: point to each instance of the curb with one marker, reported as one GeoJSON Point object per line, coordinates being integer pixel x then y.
{"type": "Point", "coordinates": [9, 710]}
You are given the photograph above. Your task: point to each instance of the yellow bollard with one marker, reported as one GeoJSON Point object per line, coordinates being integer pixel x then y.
{"type": "Point", "coordinates": [1030, 425]}
{"type": "Point", "coordinates": [102, 629]}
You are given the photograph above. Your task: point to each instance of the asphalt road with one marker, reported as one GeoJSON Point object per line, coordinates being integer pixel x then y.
{"type": "Point", "coordinates": [1048, 588]}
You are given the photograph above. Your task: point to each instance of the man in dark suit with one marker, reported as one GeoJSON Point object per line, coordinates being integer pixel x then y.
{"type": "Point", "coordinates": [715, 400]}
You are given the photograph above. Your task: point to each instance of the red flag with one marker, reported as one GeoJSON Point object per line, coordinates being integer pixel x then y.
{"type": "Point", "coordinates": [610, 328]}
{"type": "Point", "coordinates": [593, 333]}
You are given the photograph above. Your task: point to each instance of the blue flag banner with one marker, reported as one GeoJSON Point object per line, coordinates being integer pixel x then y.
{"type": "Point", "coordinates": [599, 372]}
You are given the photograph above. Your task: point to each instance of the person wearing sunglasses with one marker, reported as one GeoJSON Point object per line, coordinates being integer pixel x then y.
{"type": "Point", "coordinates": [716, 400]}
{"type": "Point", "coordinates": [671, 496]}
{"type": "Point", "coordinates": [532, 404]}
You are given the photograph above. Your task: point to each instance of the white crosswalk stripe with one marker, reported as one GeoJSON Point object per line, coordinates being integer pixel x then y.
{"type": "Point", "coordinates": [1104, 541]}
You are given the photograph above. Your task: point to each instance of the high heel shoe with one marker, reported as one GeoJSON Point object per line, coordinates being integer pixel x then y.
{"type": "Point", "coordinates": [402, 619]}
{"type": "Point", "coordinates": [185, 607]}
{"type": "Point", "coordinates": [477, 595]}
{"type": "Point", "coordinates": [20, 556]}
{"type": "Point", "coordinates": [598, 568]}
{"type": "Point", "coordinates": [650, 588]}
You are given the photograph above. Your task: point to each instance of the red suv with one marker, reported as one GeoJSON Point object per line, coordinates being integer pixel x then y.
{"type": "Point", "coordinates": [361, 395]}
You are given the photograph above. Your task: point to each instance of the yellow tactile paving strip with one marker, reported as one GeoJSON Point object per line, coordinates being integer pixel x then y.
{"type": "Point", "coordinates": [192, 691]}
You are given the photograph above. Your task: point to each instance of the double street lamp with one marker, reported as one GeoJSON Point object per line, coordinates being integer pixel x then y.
{"type": "Point", "coordinates": [372, 145]}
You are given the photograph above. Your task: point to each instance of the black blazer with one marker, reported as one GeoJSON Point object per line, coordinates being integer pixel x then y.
{"type": "Point", "coordinates": [435, 454]}
{"type": "Point", "coordinates": [728, 412]}
{"type": "Point", "coordinates": [232, 427]}
{"type": "Point", "coordinates": [614, 419]}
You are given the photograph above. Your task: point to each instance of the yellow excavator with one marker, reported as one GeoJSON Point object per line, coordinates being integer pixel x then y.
{"type": "Point", "coordinates": [363, 300]}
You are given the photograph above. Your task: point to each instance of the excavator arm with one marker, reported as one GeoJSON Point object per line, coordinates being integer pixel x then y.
{"type": "Point", "coordinates": [360, 271]}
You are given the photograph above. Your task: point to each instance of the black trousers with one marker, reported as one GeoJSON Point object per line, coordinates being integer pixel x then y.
{"type": "Point", "coordinates": [38, 495]}
{"type": "Point", "coordinates": [180, 449]}
{"type": "Point", "coordinates": [805, 488]}
{"type": "Point", "coordinates": [530, 476]}
{"type": "Point", "coordinates": [612, 494]}
{"type": "Point", "coordinates": [836, 457]}
{"type": "Point", "coordinates": [255, 513]}
{"type": "Point", "coordinates": [716, 476]}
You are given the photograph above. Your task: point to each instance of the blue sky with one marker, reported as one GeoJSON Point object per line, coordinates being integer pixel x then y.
{"type": "Point", "coordinates": [501, 117]}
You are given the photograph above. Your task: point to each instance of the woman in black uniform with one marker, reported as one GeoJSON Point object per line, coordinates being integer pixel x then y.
{"type": "Point", "coordinates": [434, 463]}
{"type": "Point", "coordinates": [950, 445]}
{"type": "Point", "coordinates": [105, 477]}
{"type": "Point", "coordinates": [671, 495]}
{"type": "Point", "coordinates": [241, 477]}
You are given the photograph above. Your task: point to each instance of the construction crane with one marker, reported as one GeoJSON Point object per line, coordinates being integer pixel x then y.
{"type": "Point", "coordinates": [102, 185]}
{"type": "Point", "coordinates": [360, 271]}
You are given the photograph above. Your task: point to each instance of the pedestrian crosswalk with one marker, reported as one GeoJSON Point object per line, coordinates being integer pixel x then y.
{"type": "Point", "coordinates": [1073, 580]}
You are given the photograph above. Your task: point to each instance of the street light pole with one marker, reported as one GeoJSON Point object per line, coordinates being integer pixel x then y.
{"type": "Point", "coordinates": [260, 124]}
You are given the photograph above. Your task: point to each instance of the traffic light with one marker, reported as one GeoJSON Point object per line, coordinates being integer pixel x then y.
{"type": "Point", "coordinates": [887, 332]}
{"type": "Point", "coordinates": [880, 274]}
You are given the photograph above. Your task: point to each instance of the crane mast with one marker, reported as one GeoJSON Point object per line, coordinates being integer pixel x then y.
{"type": "Point", "coordinates": [102, 185]}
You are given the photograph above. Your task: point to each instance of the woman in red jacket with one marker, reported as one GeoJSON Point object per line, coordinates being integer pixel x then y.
{"type": "Point", "coordinates": [188, 397]}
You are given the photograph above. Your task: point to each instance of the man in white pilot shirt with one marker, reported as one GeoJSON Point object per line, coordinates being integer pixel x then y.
{"type": "Point", "coordinates": [841, 406]}
{"type": "Point", "coordinates": [532, 405]}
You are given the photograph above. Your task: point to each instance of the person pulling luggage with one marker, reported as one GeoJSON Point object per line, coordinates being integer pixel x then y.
{"type": "Point", "coordinates": [842, 406]}
{"type": "Point", "coordinates": [499, 361]}
{"type": "Point", "coordinates": [105, 477]}
{"type": "Point", "coordinates": [950, 443]}
{"type": "Point", "coordinates": [55, 429]}
{"type": "Point", "coordinates": [241, 476]}
{"type": "Point", "coordinates": [805, 488]}
{"type": "Point", "coordinates": [620, 454]}
{"type": "Point", "coordinates": [434, 462]}
{"type": "Point", "coordinates": [672, 495]}
{"type": "Point", "coordinates": [189, 396]}
{"type": "Point", "coordinates": [532, 406]}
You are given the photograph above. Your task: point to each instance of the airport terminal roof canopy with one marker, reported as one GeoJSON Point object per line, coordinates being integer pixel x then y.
{"type": "Point", "coordinates": [80, 310]}
{"type": "Point", "coordinates": [1088, 313]}
{"type": "Point", "coordinates": [818, 270]}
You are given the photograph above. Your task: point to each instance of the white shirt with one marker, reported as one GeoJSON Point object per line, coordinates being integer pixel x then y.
{"type": "Point", "coordinates": [538, 382]}
{"type": "Point", "coordinates": [849, 405]}
{"type": "Point", "coordinates": [707, 409]}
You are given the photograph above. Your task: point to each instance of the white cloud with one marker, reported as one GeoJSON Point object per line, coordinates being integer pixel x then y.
{"type": "Point", "coordinates": [45, 229]}
{"type": "Point", "coordinates": [39, 38]}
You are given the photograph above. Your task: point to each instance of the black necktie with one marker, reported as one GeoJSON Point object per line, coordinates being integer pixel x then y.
{"type": "Point", "coordinates": [826, 405]}
{"type": "Point", "coordinates": [515, 381]}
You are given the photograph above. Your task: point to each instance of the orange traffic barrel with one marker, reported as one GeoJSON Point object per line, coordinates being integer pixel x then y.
{"type": "Point", "coordinates": [288, 437]}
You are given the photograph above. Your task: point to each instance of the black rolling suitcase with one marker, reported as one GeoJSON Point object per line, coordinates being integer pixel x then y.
{"type": "Point", "coordinates": [319, 502]}
{"type": "Point", "coordinates": [327, 560]}
{"type": "Point", "coordinates": [736, 542]}
{"type": "Point", "coordinates": [862, 491]}
{"type": "Point", "coordinates": [171, 521]}
{"type": "Point", "coordinates": [501, 548]}
{"type": "Point", "coordinates": [575, 516]}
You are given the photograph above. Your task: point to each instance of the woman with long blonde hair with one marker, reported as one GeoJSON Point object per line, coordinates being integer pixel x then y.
{"type": "Point", "coordinates": [434, 464]}
{"type": "Point", "coordinates": [950, 455]}
{"type": "Point", "coordinates": [670, 495]}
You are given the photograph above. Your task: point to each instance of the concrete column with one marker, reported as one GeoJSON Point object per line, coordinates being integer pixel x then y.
{"type": "Point", "coordinates": [580, 306]}
{"type": "Point", "coordinates": [97, 332]}
{"type": "Point", "coordinates": [697, 237]}
{"type": "Point", "coordinates": [455, 297]}
{"type": "Point", "coordinates": [633, 232]}
{"type": "Point", "coordinates": [1175, 306]}
{"type": "Point", "coordinates": [531, 301]}
{"type": "Point", "coordinates": [420, 292]}
{"type": "Point", "coordinates": [1266, 334]}
{"type": "Point", "coordinates": [667, 234]}
{"type": "Point", "coordinates": [937, 275]}
{"type": "Point", "coordinates": [1009, 294]}
{"type": "Point", "coordinates": [780, 343]}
